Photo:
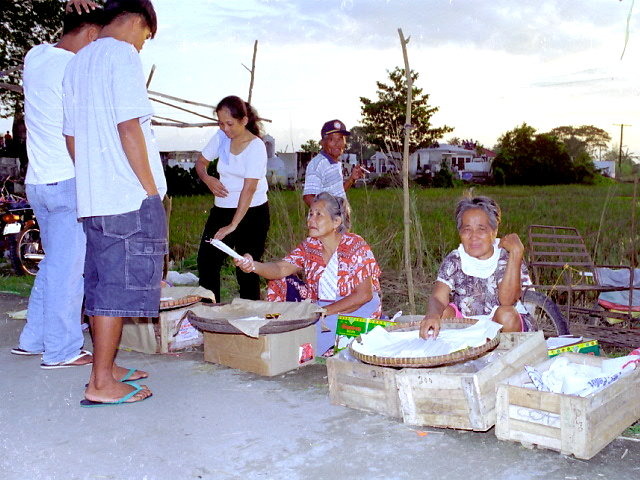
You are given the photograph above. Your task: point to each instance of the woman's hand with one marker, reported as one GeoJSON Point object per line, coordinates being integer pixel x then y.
{"type": "Point", "coordinates": [429, 327]}
{"type": "Point", "coordinates": [80, 6]}
{"type": "Point", "coordinates": [512, 244]}
{"type": "Point", "coordinates": [247, 265]}
{"type": "Point", "coordinates": [216, 187]}
{"type": "Point", "coordinates": [224, 231]}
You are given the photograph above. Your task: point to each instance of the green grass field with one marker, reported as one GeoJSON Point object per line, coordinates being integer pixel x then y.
{"type": "Point", "coordinates": [601, 213]}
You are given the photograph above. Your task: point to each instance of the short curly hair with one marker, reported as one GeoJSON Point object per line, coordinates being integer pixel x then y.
{"type": "Point", "coordinates": [486, 204]}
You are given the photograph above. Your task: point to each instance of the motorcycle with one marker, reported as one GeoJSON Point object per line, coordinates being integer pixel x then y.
{"type": "Point", "coordinates": [20, 238]}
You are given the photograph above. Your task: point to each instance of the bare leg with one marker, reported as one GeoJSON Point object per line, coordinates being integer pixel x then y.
{"type": "Point", "coordinates": [102, 386]}
{"type": "Point", "coordinates": [119, 372]}
{"type": "Point", "coordinates": [509, 318]}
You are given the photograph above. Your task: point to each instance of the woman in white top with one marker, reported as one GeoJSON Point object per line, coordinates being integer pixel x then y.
{"type": "Point", "coordinates": [240, 214]}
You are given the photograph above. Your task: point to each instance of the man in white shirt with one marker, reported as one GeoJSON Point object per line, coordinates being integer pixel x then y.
{"type": "Point", "coordinates": [120, 185]}
{"type": "Point", "coordinates": [324, 172]}
{"type": "Point", "coordinates": [53, 326]}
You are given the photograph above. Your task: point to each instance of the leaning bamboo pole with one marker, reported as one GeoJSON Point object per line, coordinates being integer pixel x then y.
{"type": "Point", "coordinates": [252, 71]}
{"type": "Point", "coordinates": [405, 177]}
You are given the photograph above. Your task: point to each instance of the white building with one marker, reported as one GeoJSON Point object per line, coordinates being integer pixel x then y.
{"type": "Point", "coordinates": [466, 163]}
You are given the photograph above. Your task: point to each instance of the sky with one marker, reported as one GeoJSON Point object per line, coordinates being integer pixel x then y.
{"type": "Point", "coordinates": [488, 65]}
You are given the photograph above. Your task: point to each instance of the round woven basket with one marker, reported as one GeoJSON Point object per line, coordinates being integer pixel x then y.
{"type": "Point", "coordinates": [180, 302]}
{"type": "Point", "coordinates": [437, 361]}
{"type": "Point", "coordinates": [217, 323]}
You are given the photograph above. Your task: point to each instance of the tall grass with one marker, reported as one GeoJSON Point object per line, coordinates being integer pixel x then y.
{"type": "Point", "coordinates": [601, 213]}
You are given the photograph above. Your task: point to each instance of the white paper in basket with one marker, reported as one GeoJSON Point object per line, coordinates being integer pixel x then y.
{"type": "Point", "coordinates": [381, 343]}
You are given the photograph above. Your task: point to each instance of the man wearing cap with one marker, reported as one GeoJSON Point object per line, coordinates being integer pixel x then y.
{"type": "Point", "coordinates": [324, 172]}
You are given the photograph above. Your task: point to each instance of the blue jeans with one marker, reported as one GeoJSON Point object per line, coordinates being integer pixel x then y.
{"type": "Point", "coordinates": [125, 257]}
{"type": "Point", "coordinates": [55, 305]}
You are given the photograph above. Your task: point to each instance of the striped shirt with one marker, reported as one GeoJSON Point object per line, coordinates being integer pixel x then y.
{"type": "Point", "coordinates": [324, 175]}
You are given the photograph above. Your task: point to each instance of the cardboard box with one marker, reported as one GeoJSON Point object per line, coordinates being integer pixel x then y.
{"type": "Point", "coordinates": [581, 426]}
{"type": "Point", "coordinates": [267, 355]}
{"type": "Point", "coordinates": [349, 327]}
{"type": "Point", "coordinates": [586, 346]}
{"type": "Point", "coordinates": [170, 332]}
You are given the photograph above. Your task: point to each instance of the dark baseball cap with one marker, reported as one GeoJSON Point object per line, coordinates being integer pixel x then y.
{"type": "Point", "coordinates": [334, 126]}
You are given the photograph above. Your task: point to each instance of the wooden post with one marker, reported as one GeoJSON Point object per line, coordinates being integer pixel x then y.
{"type": "Point", "coordinates": [405, 177]}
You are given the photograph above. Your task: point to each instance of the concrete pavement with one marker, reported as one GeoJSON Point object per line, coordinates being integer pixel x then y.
{"type": "Point", "coordinates": [211, 422]}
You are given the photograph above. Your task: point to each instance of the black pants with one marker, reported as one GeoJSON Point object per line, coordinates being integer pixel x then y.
{"type": "Point", "coordinates": [250, 237]}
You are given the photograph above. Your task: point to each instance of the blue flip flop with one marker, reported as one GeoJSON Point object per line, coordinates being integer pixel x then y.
{"type": "Point", "coordinates": [127, 376]}
{"type": "Point", "coordinates": [120, 401]}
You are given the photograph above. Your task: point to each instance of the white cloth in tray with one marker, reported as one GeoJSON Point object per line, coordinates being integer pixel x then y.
{"type": "Point", "coordinates": [381, 343]}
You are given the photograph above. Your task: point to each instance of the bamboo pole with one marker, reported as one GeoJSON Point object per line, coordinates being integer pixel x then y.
{"type": "Point", "coordinates": [178, 99]}
{"type": "Point", "coordinates": [183, 109]}
{"type": "Point", "coordinates": [153, 70]}
{"type": "Point", "coordinates": [10, 86]}
{"type": "Point", "coordinates": [405, 177]}
{"type": "Point", "coordinates": [252, 72]}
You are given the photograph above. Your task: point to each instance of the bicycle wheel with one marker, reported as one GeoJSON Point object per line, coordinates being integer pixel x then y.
{"type": "Point", "coordinates": [26, 251]}
{"type": "Point", "coordinates": [545, 314]}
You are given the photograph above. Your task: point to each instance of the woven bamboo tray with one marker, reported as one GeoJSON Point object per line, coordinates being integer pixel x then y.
{"type": "Point", "coordinates": [437, 361]}
{"type": "Point", "coordinates": [220, 324]}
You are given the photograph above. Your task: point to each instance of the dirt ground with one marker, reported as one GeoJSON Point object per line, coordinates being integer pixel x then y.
{"type": "Point", "coordinates": [211, 422]}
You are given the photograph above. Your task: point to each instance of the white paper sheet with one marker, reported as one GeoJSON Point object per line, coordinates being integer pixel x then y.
{"type": "Point", "coordinates": [381, 343]}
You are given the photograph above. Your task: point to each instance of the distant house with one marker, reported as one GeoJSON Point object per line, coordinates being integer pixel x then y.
{"type": "Point", "coordinates": [606, 168]}
{"type": "Point", "coordinates": [381, 162]}
{"type": "Point", "coordinates": [463, 161]}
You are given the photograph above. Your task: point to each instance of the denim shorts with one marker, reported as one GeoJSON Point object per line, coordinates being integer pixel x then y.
{"type": "Point", "coordinates": [124, 261]}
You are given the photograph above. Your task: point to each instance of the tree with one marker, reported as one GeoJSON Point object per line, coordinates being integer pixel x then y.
{"type": "Point", "coordinates": [383, 120]}
{"type": "Point", "coordinates": [24, 23]}
{"type": "Point", "coordinates": [359, 145]}
{"type": "Point", "coordinates": [585, 138]}
{"type": "Point", "coordinates": [310, 146]}
{"type": "Point", "coordinates": [527, 158]}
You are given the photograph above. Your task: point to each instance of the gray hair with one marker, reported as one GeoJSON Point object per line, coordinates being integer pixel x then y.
{"type": "Point", "coordinates": [486, 204]}
{"type": "Point", "coordinates": [337, 207]}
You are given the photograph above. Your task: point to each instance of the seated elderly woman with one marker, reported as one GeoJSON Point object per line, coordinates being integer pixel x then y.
{"type": "Point", "coordinates": [341, 272]}
{"type": "Point", "coordinates": [483, 276]}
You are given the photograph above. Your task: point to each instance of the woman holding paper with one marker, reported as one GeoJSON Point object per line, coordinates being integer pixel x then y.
{"type": "Point", "coordinates": [341, 272]}
{"type": "Point", "coordinates": [240, 214]}
{"type": "Point", "coordinates": [483, 276]}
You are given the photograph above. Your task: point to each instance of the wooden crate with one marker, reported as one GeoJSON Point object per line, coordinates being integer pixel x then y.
{"type": "Point", "coordinates": [362, 386]}
{"type": "Point", "coordinates": [581, 426]}
{"type": "Point", "coordinates": [463, 396]}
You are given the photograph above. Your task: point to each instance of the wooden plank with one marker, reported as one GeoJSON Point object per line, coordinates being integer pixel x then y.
{"type": "Point", "coordinates": [534, 399]}
{"type": "Point", "coordinates": [550, 433]}
{"type": "Point", "coordinates": [536, 439]}
{"type": "Point", "coordinates": [541, 417]}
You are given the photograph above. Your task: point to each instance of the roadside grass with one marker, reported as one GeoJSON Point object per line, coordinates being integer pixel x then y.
{"type": "Point", "coordinates": [12, 283]}
{"type": "Point", "coordinates": [601, 213]}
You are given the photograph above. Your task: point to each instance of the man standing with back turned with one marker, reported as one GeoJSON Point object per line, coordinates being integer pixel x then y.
{"type": "Point", "coordinates": [53, 321]}
{"type": "Point", "coordinates": [120, 184]}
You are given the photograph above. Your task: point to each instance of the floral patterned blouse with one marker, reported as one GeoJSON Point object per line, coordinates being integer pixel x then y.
{"type": "Point", "coordinates": [355, 263]}
{"type": "Point", "coordinates": [474, 295]}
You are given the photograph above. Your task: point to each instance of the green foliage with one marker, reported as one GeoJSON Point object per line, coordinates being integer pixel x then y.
{"type": "Point", "coordinates": [383, 119]}
{"type": "Point", "coordinates": [310, 146]}
{"type": "Point", "coordinates": [527, 158]}
{"type": "Point", "coordinates": [359, 145]}
{"type": "Point", "coordinates": [585, 138]}
{"type": "Point", "coordinates": [24, 23]}
{"type": "Point", "coordinates": [443, 178]}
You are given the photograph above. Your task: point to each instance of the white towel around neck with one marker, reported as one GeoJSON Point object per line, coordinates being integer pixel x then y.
{"type": "Point", "coordinates": [474, 267]}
